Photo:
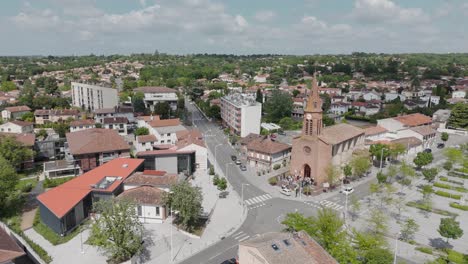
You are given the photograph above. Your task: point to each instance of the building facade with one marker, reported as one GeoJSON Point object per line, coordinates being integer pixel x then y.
{"type": "Point", "coordinates": [91, 97]}
{"type": "Point", "coordinates": [241, 113]}
{"type": "Point", "coordinates": [154, 95]}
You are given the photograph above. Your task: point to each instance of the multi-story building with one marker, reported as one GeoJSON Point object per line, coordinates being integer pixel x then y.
{"type": "Point", "coordinates": [263, 153]}
{"type": "Point", "coordinates": [119, 124]}
{"type": "Point", "coordinates": [154, 95]}
{"type": "Point", "coordinates": [15, 112]}
{"type": "Point", "coordinates": [91, 97]}
{"type": "Point", "coordinates": [241, 113]}
{"type": "Point", "coordinates": [82, 124]}
{"type": "Point", "coordinates": [118, 111]}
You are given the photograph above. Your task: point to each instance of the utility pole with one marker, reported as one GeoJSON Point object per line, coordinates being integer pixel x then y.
{"type": "Point", "coordinates": [172, 246]}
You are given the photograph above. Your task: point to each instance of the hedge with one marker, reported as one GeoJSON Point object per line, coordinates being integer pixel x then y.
{"type": "Point", "coordinates": [450, 187]}
{"type": "Point", "coordinates": [51, 183]}
{"type": "Point", "coordinates": [459, 206]}
{"type": "Point", "coordinates": [432, 210]}
{"type": "Point", "coordinates": [426, 250]}
{"type": "Point", "coordinates": [457, 174]}
{"type": "Point", "coordinates": [445, 179]}
{"type": "Point", "coordinates": [448, 195]}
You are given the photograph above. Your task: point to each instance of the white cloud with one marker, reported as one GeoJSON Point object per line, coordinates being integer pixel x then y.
{"type": "Point", "coordinates": [36, 19]}
{"type": "Point", "coordinates": [142, 2]}
{"type": "Point", "coordinates": [386, 11]}
{"type": "Point", "coordinates": [264, 15]}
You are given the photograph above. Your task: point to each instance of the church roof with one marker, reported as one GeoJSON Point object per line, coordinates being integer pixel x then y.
{"type": "Point", "coordinates": [314, 103]}
{"type": "Point", "coordinates": [338, 133]}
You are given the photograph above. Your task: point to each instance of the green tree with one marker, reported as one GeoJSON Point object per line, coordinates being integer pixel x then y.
{"type": "Point", "coordinates": [8, 181]}
{"type": "Point", "coordinates": [355, 206]}
{"type": "Point", "coordinates": [138, 103]}
{"type": "Point", "coordinates": [14, 152]}
{"type": "Point", "coordinates": [295, 93]}
{"type": "Point", "coordinates": [459, 116]}
{"type": "Point", "coordinates": [28, 117]}
{"type": "Point", "coordinates": [277, 106]}
{"type": "Point", "coordinates": [7, 86]}
{"type": "Point", "coordinates": [117, 230]}
{"type": "Point", "coordinates": [50, 86]}
{"type": "Point", "coordinates": [382, 177]}
{"type": "Point", "coordinates": [333, 174]}
{"type": "Point", "coordinates": [360, 165]}
{"type": "Point", "coordinates": [444, 136]}
{"type": "Point", "coordinates": [396, 150]}
{"type": "Point", "coordinates": [379, 152]}
{"type": "Point", "coordinates": [181, 103]}
{"type": "Point", "coordinates": [214, 111]}
{"type": "Point", "coordinates": [162, 109]}
{"type": "Point", "coordinates": [378, 222]}
{"type": "Point", "coordinates": [408, 228]}
{"type": "Point", "coordinates": [141, 131]}
{"type": "Point", "coordinates": [430, 174]}
{"type": "Point", "coordinates": [347, 170]}
{"type": "Point", "coordinates": [406, 170]}
{"type": "Point", "coordinates": [259, 97]}
{"type": "Point", "coordinates": [42, 133]}
{"type": "Point", "coordinates": [222, 184]}
{"type": "Point", "coordinates": [378, 256]}
{"type": "Point", "coordinates": [392, 172]}
{"type": "Point", "coordinates": [450, 228]}
{"type": "Point", "coordinates": [423, 159]}
{"type": "Point", "coordinates": [187, 200]}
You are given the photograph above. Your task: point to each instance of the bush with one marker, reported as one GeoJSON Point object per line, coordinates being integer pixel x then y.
{"type": "Point", "coordinates": [459, 206]}
{"type": "Point", "coordinates": [216, 180]}
{"type": "Point", "coordinates": [429, 209]}
{"type": "Point", "coordinates": [38, 249]}
{"type": "Point", "coordinates": [51, 183]}
{"type": "Point", "coordinates": [273, 180]}
{"type": "Point", "coordinates": [211, 172]}
{"type": "Point", "coordinates": [448, 165]}
{"type": "Point", "coordinates": [426, 250]}
{"type": "Point", "coordinates": [448, 195]}
{"type": "Point", "coordinates": [462, 170]}
{"type": "Point", "coordinates": [276, 166]}
{"type": "Point", "coordinates": [450, 187]}
{"type": "Point", "coordinates": [26, 186]}
{"type": "Point", "coordinates": [456, 257]}
{"type": "Point", "coordinates": [222, 184]}
{"type": "Point", "coordinates": [457, 174]}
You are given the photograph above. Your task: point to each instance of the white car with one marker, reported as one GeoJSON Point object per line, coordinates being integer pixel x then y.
{"type": "Point", "coordinates": [347, 190]}
{"type": "Point", "coordinates": [286, 192]}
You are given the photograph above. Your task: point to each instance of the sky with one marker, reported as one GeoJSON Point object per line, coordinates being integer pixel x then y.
{"type": "Point", "coordinates": [79, 27]}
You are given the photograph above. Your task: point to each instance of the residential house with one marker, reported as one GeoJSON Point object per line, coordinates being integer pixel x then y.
{"type": "Point", "coordinates": [263, 153]}
{"type": "Point", "coordinates": [91, 97]}
{"type": "Point", "coordinates": [43, 116]}
{"type": "Point", "coordinates": [82, 124]}
{"type": "Point", "coordinates": [371, 96]}
{"type": "Point", "coordinates": [394, 95]}
{"type": "Point", "coordinates": [145, 143]}
{"type": "Point", "coordinates": [192, 140]}
{"type": "Point", "coordinates": [15, 112]}
{"type": "Point", "coordinates": [339, 108]}
{"type": "Point", "coordinates": [165, 130]}
{"type": "Point", "coordinates": [459, 94]}
{"type": "Point", "coordinates": [17, 126]}
{"type": "Point", "coordinates": [330, 91]}
{"type": "Point", "coordinates": [281, 248]}
{"type": "Point", "coordinates": [170, 160]}
{"type": "Point", "coordinates": [155, 94]}
{"type": "Point", "coordinates": [119, 124]}
{"type": "Point", "coordinates": [64, 207]}
{"type": "Point", "coordinates": [261, 78]}
{"type": "Point", "coordinates": [375, 133]}
{"type": "Point", "coordinates": [94, 147]}
{"type": "Point", "coordinates": [118, 111]}
{"type": "Point", "coordinates": [440, 118]}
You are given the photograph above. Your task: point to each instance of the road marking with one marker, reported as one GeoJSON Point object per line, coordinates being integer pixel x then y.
{"type": "Point", "coordinates": [239, 235]}
{"type": "Point", "coordinates": [242, 239]}
{"type": "Point", "coordinates": [256, 200]}
{"type": "Point", "coordinates": [269, 196]}
{"type": "Point", "coordinates": [247, 202]}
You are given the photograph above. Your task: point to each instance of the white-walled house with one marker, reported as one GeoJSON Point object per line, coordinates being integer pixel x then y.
{"type": "Point", "coordinates": [149, 203]}
{"type": "Point", "coordinates": [15, 112]}
{"type": "Point", "coordinates": [459, 94]}
{"type": "Point", "coordinates": [261, 78]}
{"type": "Point", "coordinates": [369, 96]}
{"type": "Point", "coordinates": [82, 124]}
{"type": "Point", "coordinates": [392, 96]}
{"type": "Point", "coordinates": [145, 143]}
{"type": "Point", "coordinates": [117, 123]}
{"type": "Point", "coordinates": [192, 141]}
{"type": "Point", "coordinates": [155, 94]}
{"type": "Point", "coordinates": [17, 127]}
{"type": "Point", "coordinates": [339, 108]}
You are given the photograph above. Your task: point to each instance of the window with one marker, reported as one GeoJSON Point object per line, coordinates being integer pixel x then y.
{"type": "Point", "coordinates": [168, 134]}
{"type": "Point", "coordinates": [157, 210]}
{"type": "Point", "coordinates": [140, 211]}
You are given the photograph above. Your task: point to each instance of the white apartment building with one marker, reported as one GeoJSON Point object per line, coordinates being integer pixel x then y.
{"type": "Point", "coordinates": [154, 95]}
{"type": "Point", "coordinates": [241, 113]}
{"type": "Point", "coordinates": [91, 97]}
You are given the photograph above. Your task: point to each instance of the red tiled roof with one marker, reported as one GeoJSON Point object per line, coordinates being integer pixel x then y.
{"type": "Point", "coordinates": [83, 122]}
{"type": "Point", "coordinates": [416, 119]}
{"type": "Point", "coordinates": [164, 122]}
{"type": "Point", "coordinates": [28, 139]}
{"type": "Point", "coordinates": [266, 145]}
{"type": "Point", "coordinates": [21, 108]}
{"type": "Point", "coordinates": [56, 112]}
{"type": "Point", "coordinates": [334, 134]}
{"type": "Point", "coordinates": [63, 198]}
{"type": "Point", "coordinates": [146, 138]}
{"type": "Point", "coordinates": [21, 123]}
{"type": "Point", "coordinates": [148, 118]}
{"type": "Point", "coordinates": [162, 152]}
{"type": "Point", "coordinates": [374, 130]}
{"type": "Point", "coordinates": [9, 249]}
{"type": "Point", "coordinates": [152, 178]}
{"type": "Point", "coordinates": [95, 140]}
{"type": "Point", "coordinates": [144, 195]}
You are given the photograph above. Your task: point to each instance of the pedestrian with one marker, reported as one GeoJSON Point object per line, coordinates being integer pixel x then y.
{"type": "Point", "coordinates": [297, 191]}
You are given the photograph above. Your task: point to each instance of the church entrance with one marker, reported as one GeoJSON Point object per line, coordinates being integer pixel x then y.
{"type": "Point", "coordinates": [306, 171]}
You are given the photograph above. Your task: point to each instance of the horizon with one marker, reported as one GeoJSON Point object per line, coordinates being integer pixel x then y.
{"type": "Point", "coordinates": [187, 27]}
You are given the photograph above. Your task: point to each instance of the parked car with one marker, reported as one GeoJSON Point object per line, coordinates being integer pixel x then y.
{"type": "Point", "coordinates": [428, 150]}
{"type": "Point", "coordinates": [243, 167]}
{"type": "Point", "coordinates": [238, 162]}
{"type": "Point", "coordinates": [223, 194]}
{"type": "Point", "coordinates": [230, 261]}
{"type": "Point", "coordinates": [233, 157]}
{"type": "Point", "coordinates": [273, 136]}
{"type": "Point", "coordinates": [440, 145]}
{"type": "Point", "coordinates": [286, 192]}
{"type": "Point", "coordinates": [347, 190]}
{"type": "Point", "coordinates": [281, 132]}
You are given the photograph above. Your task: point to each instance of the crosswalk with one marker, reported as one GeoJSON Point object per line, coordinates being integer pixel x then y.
{"type": "Point", "coordinates": [257, 201]}
{"type": "Point", "coordinates": [325, 203]}
{"type": "Point", "coordinates": [240, 236]}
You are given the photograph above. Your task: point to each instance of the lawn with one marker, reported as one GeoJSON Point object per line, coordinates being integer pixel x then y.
{"type": "Point", "coordinates": [50, 235]}
{"type": "Point", "coordinates": [430, 209]}
{"type": "Point", "coordinates": [26, 185]}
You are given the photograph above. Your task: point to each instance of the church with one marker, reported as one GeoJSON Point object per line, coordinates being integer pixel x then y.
{"type": "Point", "coordinates": [317, 147]}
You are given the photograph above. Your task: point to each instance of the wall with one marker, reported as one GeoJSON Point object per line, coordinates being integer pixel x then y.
{"type": "Point", "coordinates": [166, 163]}
{"type": "Point", "coordinates": [12, 128]}
{"type": "Point", "coordinates": [201, 155]}
{"type": "Point", "coordinates": [99, 97]}
{"type": "Point", "coordinates": [250, 119]}
{"type": "Point", "coordinates": [149, 213]}
{"type": "Point", "coordinates": [49, 219]}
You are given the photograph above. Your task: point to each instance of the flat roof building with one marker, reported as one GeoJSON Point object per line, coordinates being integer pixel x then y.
{"type": "Point", "coordinates": [91, 97]}
{"type": "Point", "coordinates": [241, 113]}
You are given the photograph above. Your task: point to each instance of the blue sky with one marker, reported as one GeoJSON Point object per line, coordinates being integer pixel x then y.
{"type": "Point", "coordinates": [66, 27]}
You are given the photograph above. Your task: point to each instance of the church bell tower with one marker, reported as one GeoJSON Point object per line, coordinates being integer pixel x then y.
{"type": "Point", "coordinates": [312, 124]}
